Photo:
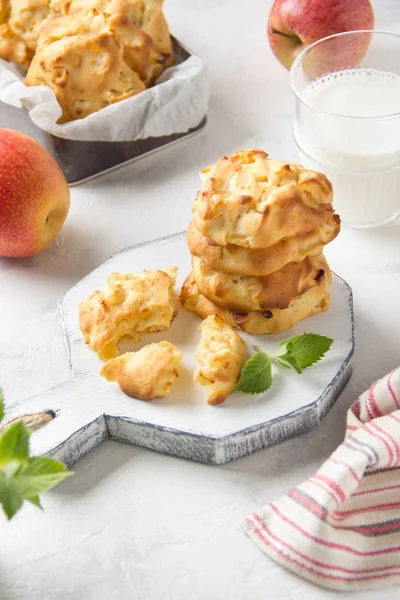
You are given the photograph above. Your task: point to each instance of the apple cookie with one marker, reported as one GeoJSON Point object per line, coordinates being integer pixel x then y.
{"type": "Point", "coordinates": [20, 25]}
{"type": "Point", "coordinates": [138, 48]}
{"type": "Point", "coordinates": [242, 293]}
{"type": "Point", "coordinates": [146, 15]}
{"type": "Point", "coordinates": [249, 200]}
{"type": "Point", "coordinates": [93, 58]}
{"type": "Point", "coordinates": [146, 374]}
{"type": "Point", "coordinates": [274, 320]}
{"type": "Point", "coordinates": [220, 353]}
{"type": "Point", "coordinates": [130, 306]}
{"type": "Point", "coordinates": [260, 262]}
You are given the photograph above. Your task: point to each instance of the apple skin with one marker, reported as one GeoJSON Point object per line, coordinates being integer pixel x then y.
{"type": "Point", "coordinates": [34, 195]}
{"type": "Point", "coordinates": [294, 24]}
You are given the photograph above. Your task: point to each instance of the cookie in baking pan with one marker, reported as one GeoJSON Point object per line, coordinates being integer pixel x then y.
{"type": "Point", "coordinates": [138, 49]}
{"type": "Point", "coordinates": [146, 15]}
{"type": "Point", "coordinates": [92, 53]}
{"type": "Point", "coordinates": [85, 72]}
{"type": "Point", "coordinates": [246, 294]}
{"type": "Point", "coordinates": [249, 200]}
{"type": "Point", "coordinates": [20, 25]}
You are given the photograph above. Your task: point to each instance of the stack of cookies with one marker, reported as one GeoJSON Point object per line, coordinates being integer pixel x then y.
{"type": "Point", "coordinates": [258, 231]}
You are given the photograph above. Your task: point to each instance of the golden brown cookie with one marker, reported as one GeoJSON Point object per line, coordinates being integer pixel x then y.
{"type": "Point", "coordinates": [315, 300]}
{"type": "Point", "coordinates": [246, 294]}
{"type": "Point", "coordinates": [130, 306]}
{"type": "Point", "coordinates": [138, 48]}
{"type": "Point", "coordinates": [86, 73]}
{"type": "Point", "coordinates": [146, 15]}
{"type": "Point", "coordinates": [220, 353]}
{"type": "Point", "coordinates": [20, 24]}
{"type": "Point", "coordinates": [262, 261]}
{"type": "Point", "coordinates": [252, 201]}
{"type": "Point", "coordinates": [146, 374]}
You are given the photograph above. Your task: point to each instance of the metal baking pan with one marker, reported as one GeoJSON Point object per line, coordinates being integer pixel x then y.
{"type": "Point", "coordinates": [81, 161]}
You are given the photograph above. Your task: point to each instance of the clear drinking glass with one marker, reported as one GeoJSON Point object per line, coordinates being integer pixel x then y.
{"type": "Point", "coordinates": [347, 121]}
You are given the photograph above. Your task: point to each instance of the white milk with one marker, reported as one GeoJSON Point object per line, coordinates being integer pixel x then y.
{"type": "Point", "coordinates": [360, 155]}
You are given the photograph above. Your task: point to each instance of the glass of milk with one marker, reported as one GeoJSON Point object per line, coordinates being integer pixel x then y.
{"type": "Point", "coordinates": [347, 121]}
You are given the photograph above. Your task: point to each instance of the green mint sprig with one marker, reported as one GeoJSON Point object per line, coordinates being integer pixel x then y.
{"type": "Point", "coordinates": [256, 375]}
{"type": "Point", "coordinates": [23, 477]}
{"type": "Point", "coordinates": [298, 353]}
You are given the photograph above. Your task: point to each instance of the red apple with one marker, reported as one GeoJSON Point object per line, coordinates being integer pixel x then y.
{"type": "Point", "coordinates": [34, 195]}
{"type": "Point", "coordinates": [294, 24]}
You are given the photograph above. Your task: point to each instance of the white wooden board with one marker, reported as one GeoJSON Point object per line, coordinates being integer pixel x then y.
{"type": "Point", "coordinates": [89, 409]}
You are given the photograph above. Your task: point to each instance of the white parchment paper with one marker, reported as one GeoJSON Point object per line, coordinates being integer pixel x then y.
{"type": "Point", "coordinates": [175, 104]}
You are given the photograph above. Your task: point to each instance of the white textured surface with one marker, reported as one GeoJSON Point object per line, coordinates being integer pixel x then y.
{"type": "Point", "coordinates": [133, 524]}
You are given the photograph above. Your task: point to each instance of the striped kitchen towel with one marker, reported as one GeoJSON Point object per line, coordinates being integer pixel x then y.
{"type": "Point", "coordinates": [341, 528]}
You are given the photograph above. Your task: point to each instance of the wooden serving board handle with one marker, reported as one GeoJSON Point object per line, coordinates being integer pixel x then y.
{"type": "Point", "coordinates": [61, 426]}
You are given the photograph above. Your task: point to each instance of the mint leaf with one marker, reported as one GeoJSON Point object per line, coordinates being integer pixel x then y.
{"type": "Point", "coordinates": [256, 376]}
{"type": "Point", "coordinates": [14, 444]}
{"type": "Point", "coordinates": [35, 500]}
{"type": "Point", "coordinates": [38, 475]}
{"type": "Point", "coordinates": [11, 468]}
{"type": "Point", "coordinates": [9, 496]}
{"type": "Point", "coordinates": [21, 477]}
{"type": "Point", "coordinates": [287, 361]}
{"type": "Point", "coordinates": [302, 351]}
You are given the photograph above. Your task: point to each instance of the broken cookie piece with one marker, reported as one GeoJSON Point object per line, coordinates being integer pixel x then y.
{"type": "Point", "coordinates": [146, 374]}
{"type": "Point", "coordinates": [130, 306]}
{"type": "Point", "coordinates": [220, 353]}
